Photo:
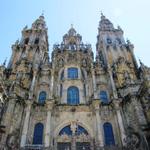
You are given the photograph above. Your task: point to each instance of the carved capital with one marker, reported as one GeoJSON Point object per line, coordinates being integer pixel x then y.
{"type": "Point", "coordinates": [96, 103]}
{"type": "Point", "coordinates": [117, 103]}
{"type": "Point", "coordinates": [49, 104]}
{"type": "Point", "coordinates": [28, 104]}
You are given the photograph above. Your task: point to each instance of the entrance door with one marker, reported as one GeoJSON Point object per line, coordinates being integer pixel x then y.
{"type": "Point", "coordinates": [78, 138]}
{"type": "Point", "coordinates": [83, 146]}
{"type": "Point", "coordinates": [64, 146]}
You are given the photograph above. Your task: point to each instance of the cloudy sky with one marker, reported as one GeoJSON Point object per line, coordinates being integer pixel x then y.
{"type": "Point", "coordinates": [132, 15]}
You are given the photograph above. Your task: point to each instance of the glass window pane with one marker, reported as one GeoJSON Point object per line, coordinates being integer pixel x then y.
{"type": "Point", "coordinates": [72, 73]}
{"type": "Point", "coordinates": [42, 97]}
{"type": "Point", "coordinates": [38, 134]}
{"type": "Point", "coordinates": [103, 96]}
{"type": "Point", "coordinates": [108, 133]}
{"type": "Point", "coordinates": [73, 96]}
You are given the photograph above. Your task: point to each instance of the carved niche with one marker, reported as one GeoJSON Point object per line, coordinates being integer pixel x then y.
{"type": "Point", "coordinates": [123, 72]}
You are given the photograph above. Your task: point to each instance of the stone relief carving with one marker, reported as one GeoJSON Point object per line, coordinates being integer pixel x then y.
{"type": "Point", "coordinates": [123, 72]}
{"type": "Point", "coordinates": [12, 141]}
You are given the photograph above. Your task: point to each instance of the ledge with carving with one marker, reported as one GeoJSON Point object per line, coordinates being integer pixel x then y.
{"type": "Point", "coordinates": [129, 89]}
{"type": "Point", "coordinates": [73, 108]}
{"type": "Point", "coordinates": [79, 138]}
{"type": "Point", "coordinates": [80, 47]}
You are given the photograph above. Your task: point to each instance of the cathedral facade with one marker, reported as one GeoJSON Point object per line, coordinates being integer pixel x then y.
{"type": "Point", "coordinates": [74, 101]}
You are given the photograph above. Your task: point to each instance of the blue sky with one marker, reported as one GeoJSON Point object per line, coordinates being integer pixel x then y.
{"type": "Point", "coordinates": [131, 15]}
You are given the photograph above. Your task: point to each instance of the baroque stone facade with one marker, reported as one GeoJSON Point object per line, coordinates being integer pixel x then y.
{"type": "Point", "coordinates": [74, 102]}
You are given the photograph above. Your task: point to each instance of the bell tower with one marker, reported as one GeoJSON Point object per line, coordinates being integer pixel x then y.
{"type": "Point", "coordinates": [33, 46]}
{"type": "Point", "coordinates": [114, 52]}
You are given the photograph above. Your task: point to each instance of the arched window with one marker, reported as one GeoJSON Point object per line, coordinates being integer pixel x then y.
{"type": "Point", "coordinates": [36, 41]}
{"type": "Point", "coordinates": [61, 90]}
{"type": "Point", "coordinates": [109, 41]}
{"type": "Point", "coordinates": [118, 40]}
{"type": "Point", "coordinates": [38, 134]}
{"type": "Point", "coordinates": [73, 95]}
{"type": "Point", "coordinates": [72, 73]}
{"type": "Point", "coordinates": [42, 97]}
{"type": "Point", "coordinates": [79, 130]}
{"type": "Point", "coordinates": [103, 96]}
{"type": "Point", "coordinates": [108, 133]}
{"type": "Point", "coordinates": [26, 41]}
{"type": "Point", "coordinates": [62, 75]}
{"type": "Point", "coordinates": [84, 90]}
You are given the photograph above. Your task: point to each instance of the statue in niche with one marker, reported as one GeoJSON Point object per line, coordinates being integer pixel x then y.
{"type": "Point", "coordinates": [12, 141]}
{"type": "Point", "coordinates": [121, 71]}
{"type": "Point", "coordinates": [84, 63]}
{"type": "Point", "coordinates": [132, 141]}
{"type": "Point", "coordinates": [61, 63]}
{"type": "Point", "coordinates": [72, 58]}
{"type": "Point", "coordinates": [73, 127]}
{"type": "Point", "coordinates": [127, 77]}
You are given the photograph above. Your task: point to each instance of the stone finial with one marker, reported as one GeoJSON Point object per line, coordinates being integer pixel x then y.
{"type": "Point", "coordinates": [102, 16]}
{"type": "Point", "coordinates": [17, 42]}
{"type": "Point", "coordinates": [4, 63]}
{"type": "Point", "coordinates": [25, 28]}
{"type": "Point", "coordinates": [128, 42]}
{"type": "Point", "coordinates": [119, 28]}
{"type": "Point", "coordinates": [71, 25]}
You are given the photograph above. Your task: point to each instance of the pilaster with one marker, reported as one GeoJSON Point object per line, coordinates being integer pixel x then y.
{"type": "Point", "coordinates": [49, 107]}
{"type": "Point", "coordinates": [26, 123]}
{"type": "Point", "coordinates": [120, 121]}
{"type": "Point", "coordinates": [99, 137]}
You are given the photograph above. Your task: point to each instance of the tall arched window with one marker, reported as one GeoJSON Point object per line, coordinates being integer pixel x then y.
{"type": "Point", "coordinates": [72, 73]}
{"type": "Point", "coordinates": [108, 133]}
{"type": "Point", "coordinates": [61, 90]}
{"type": "Point", "coordinates": [109, 41]}
{"type": "Point", "coordinates": [38, 134]}
{"type": "Point", "coordinates": [79, 130]}
{"type": "Point", "coordinates": [84, 90]}
{"type": "Point", "coordinates": [62, 75]}
{"type": "Point", "coordinates": [36, 41]}
{"type": "Point", "coordinates": [73, 95]}
{"type": "Point", "coordinates": [26, 41]}
{"type": "Point", "coordinates": [103, 96]}
{"type": "Point", "coordinates": [42, 97]}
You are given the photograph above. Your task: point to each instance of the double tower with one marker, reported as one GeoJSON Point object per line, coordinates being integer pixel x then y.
{"type": "Point", "coordinates": [74, 101]}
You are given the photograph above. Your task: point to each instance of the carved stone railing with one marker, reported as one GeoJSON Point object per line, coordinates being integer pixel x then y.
{"type": "Point", "coordinates": [33, 147]}
{"type": "Point", "coordinates": [68, 47]}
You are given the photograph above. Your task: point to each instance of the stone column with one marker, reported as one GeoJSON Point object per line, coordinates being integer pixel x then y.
{"type": "Point", "coordinates": [120, 122]}
{"type": "Point", "coordinates": [138, 111]}
{"type": "Point", "coordinates": [49, 105]}
{"type": "Point", "coordinates": [32, 84]}
{"type": "Point", "coordinates": [112, 83]}
{"type": "Point", "coordinates": [26, 123]}
{"type": "Point", "coordinates": [94, 83]}
{"type": "Point", "coordinates": [52, 84]}
{"type": "Point", "coordinates": [6, 121]}
{"type": "Point", "coordinates": [99, 138]}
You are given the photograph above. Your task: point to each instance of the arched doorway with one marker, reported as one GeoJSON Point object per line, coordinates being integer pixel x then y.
{"type": "Point", "coordinates": [73, 137]}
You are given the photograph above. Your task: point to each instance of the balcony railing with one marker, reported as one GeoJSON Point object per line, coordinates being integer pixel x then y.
{"type": "Point", "coordinates": [94, 147]}
{"type": "Point", "coordinates": [33, 147]}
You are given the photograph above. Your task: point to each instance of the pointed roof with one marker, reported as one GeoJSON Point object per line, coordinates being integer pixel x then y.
{"type": "Point", "coordinates": [72, 31]}
{"type": "Point", "coordinates": [39, 23]}
{"type": "Point", "coordinates": [72, 35]}
{"type": "Point", "coordinates": [105, 24]}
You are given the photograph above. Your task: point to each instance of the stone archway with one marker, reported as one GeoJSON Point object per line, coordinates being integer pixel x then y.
{"type": "Point", "coordinates": [74, 137]}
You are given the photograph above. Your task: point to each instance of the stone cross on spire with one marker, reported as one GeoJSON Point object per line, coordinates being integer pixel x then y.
{"type": "Point", "coordinates": [71, 25]}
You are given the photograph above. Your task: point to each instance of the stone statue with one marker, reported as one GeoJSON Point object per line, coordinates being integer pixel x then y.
{"type": "Point", "coordinates": [12, 141]}
{"type": "Point", "coordinates": [73, 127]}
